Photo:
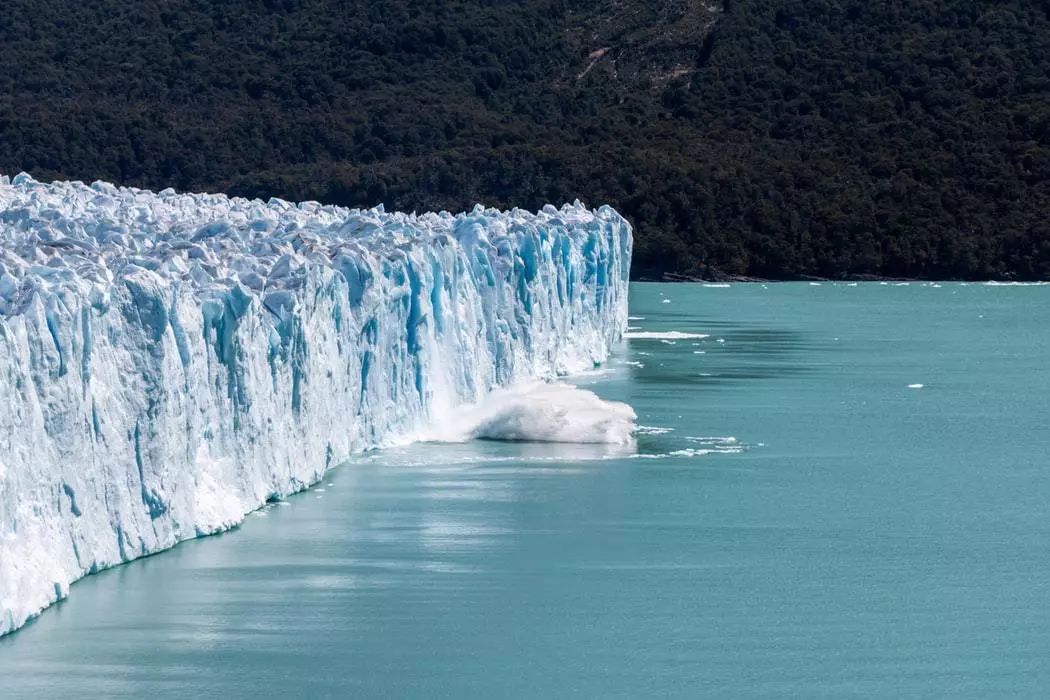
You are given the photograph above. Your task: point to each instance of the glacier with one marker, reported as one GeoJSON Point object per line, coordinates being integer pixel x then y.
{"type": "Point", "coordinates": [170, 362]}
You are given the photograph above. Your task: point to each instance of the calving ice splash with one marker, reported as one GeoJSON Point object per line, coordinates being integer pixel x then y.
{"type": "Point", "coordinates": [538, 411]}
{"type": "Point", "coordinates": [169, 362]}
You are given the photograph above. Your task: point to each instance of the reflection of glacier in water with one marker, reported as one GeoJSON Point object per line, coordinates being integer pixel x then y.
{"type": "Point", "coordinates": [170, 362]}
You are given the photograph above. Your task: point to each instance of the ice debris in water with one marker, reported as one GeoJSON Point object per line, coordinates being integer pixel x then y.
{"type": "Point", "coordinates": [170, 362]}
{"type": "Point", "coordinates": [661, 335]}
{"type": "Point", "coordinates": [653, 430]}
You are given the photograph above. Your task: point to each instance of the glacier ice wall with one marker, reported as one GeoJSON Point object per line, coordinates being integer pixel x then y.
{"type": "Point", "coordinates": [168, 362]}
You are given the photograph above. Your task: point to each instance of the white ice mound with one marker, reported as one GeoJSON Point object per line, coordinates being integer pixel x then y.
{"type": "Point", "coordinates": [539, 412]}
{"type": "Point", "coordinates": [169, 362]}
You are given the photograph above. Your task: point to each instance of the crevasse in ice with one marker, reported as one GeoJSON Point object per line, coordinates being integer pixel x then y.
{"type": "Point", "coordinates": [168, 362]}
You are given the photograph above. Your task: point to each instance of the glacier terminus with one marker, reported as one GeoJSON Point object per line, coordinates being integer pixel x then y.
{"type": "Point", "coordinates": [170, 362]}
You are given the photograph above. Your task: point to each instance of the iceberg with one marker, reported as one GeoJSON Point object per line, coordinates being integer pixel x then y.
{"type": "Point", "coordinates": [171, 362]}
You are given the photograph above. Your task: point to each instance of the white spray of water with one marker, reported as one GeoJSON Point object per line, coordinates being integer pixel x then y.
{"type": "Point", "coordinates": [539, 412]}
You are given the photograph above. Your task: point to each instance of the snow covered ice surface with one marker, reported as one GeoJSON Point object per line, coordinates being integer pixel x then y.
{"type": "Point", "coordinates": [168, 362]}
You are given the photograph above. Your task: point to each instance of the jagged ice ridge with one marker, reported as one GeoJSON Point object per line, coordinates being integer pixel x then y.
{"type": "Point", "coordinates": [169, 362]}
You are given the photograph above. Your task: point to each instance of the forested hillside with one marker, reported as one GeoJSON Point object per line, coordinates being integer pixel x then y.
{"type": "Point", "coordinates": [742, 137]}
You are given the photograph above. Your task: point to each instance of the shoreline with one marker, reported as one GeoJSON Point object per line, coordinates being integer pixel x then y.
{"type": "Point", "coordinates": [676, 278]}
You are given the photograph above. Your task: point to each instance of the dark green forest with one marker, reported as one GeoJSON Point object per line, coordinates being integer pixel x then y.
{"type": "Point", "coordinates": [830, 138]}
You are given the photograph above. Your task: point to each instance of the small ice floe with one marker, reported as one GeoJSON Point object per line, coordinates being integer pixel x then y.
{"type": "Point", "coordinates": [717, 285]}
{"type": "Point", "coordinates": [916, 386]}
{"type": "Point", "coordinates": [704, 446]}
{"type": "Point", "coordinates": [720, 340]}
{"type": "Point", "coordinates": [699, 352]}
{"type": "Point", "coordinates": [636, 318]}
{"type": "Point", "coordinates": [666, 301]}
{"type": "Point", "coordinates": [704, 440]}
{"type": "Point", "coordinates": [674, 453]}
{"type": "Point", "coordinates": [814, 284]}
{"type": "Point", "coordinates": [662, 335]}
{"type": "Point", "coordinates": [668, 342]}
{"type": "Point", "coordinates": [319, 490]}
{"type": "Point", "coordinates": [652, 430]}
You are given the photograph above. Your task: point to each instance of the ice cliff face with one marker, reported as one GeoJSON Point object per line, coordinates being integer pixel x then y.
{"type": "Point", "coordinates": [169, 362]}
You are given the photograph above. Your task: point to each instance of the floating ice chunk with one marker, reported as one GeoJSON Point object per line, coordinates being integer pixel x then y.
{"type": "Point", "coordinates": [713, 440]}
{"type": "Point", "coordinates": [916, 386]}
{"type": "Point", "coordinates": [653, 430]}
{"type": "Point", "coordinates": [662, 335]}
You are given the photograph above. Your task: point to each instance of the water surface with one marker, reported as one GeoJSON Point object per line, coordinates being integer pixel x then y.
{"type": "Point", "coordinates": [855, 536]}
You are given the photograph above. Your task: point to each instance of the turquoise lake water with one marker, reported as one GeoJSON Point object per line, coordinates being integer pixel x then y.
{"type": "Point", "coordinates": [854, 537]}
